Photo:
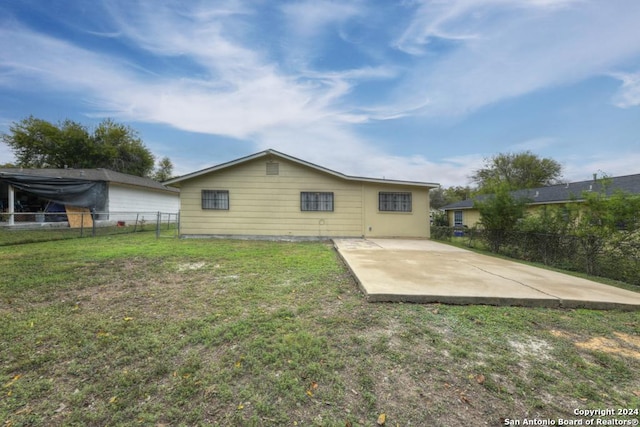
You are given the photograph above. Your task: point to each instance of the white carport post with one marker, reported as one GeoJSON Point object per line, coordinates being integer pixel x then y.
{"type": "Point", "coordinates": [11, 204]}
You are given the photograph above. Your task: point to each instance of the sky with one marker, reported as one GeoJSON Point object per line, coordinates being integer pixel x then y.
{"type": "Point", "coordinates": [423, 90]}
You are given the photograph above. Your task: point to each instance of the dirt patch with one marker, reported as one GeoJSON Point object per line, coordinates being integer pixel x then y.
{"type": "Point", "coordinates": [537, 348]}
{"type": "Point", "coordinates": [178, 292]}
{"type": "Point", "coordinates": [191, 266]}
{"type": "Point", "coordinates": [620, 344]}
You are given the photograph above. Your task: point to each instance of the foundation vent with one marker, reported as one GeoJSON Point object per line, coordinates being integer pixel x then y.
{"type": "Point", "coordinates": [273, 168]}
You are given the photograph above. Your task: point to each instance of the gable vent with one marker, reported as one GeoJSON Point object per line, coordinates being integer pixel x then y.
{"type": "Point", "coordinates": [273, 168]}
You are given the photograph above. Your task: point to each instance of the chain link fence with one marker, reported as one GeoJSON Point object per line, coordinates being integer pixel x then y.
{"type": "Point", "coordinates": [616, 256]}
{"type": "Point", "coordinates": [29, 227]}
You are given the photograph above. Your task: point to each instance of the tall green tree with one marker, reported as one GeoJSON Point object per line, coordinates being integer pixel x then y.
{"type": "Point", "coordinates": [516, 171]}
{"type": "Point", "coordinates": [118, 147]}
{"type": "Point", "coordinates": [37, 143]}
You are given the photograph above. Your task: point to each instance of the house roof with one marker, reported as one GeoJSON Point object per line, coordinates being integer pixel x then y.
{"type": "Point", "coordinates": [100, 174]}
{"type": "Point", "coordinates": [567, 192]}
{"type": "Point", "coordinates": [270, 153]}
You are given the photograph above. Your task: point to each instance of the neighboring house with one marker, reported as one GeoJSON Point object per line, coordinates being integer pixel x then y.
{"type": "Point", "coordinates": [275, 195]}
{"type": "Point", "coordinates": [463, 214]}
{"type": "Point", "coordinates": [111, 195]}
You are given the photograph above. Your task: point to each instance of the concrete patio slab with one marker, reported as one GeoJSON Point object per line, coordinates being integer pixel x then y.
{"type": "Point", "coordinates": [424, 271]}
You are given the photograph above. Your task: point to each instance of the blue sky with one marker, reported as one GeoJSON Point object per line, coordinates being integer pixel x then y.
{"type": "Point", "coordinates": [414, 89]}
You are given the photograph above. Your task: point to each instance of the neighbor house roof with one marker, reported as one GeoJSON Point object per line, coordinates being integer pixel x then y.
{"type": "Point", "coordinates": [276, 154]}
{"type": "Point", "coordinates": [562, 193]}
{"type": "Point", "coordinates": [99, 174]}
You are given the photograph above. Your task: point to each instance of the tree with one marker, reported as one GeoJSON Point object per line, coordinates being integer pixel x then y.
{"type": "Point", "coordinates": [37, 143]}
{"type": "Point", "coordinates": [119, 148]}
{"type": "Point", "coordinates": [516, 171]}
{"type": "Point", "coordinates": [440, 197]}
{"type": "Point", "coordinates": [607, 221]}
{"type": "Point", "coordinates": [30, 139]}
{"type": "Point", "coordinates": [457, 193]}
{"type": "Point", "coordinates": [164, 170]}
{"type": "Point", "coordinates": [499, 215]}
{"type": "Point", "coordinates": [436, 198]}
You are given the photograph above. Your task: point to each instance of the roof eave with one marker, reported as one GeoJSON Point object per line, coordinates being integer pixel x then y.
{"type": "Point", "coordinates": [455, 208]}
{"type": "Point", "coordinates": [215, 168]}
{"type": "Point", "coordinates": [275, 153]}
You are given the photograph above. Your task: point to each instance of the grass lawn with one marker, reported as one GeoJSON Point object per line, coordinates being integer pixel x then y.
{"type": "Point", "coordinates": [133, 330]}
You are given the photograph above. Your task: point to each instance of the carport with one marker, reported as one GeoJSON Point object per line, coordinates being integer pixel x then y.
{"type": "Point", "coordinates": [43, 186]}
{"type": "Point", "coordinates": [424, 271]}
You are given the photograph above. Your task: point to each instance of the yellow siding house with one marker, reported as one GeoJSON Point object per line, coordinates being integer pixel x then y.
{"type": "Point", "coordinates": [274, 195]}
{"type": "Point", "coordinates": [464, 214]}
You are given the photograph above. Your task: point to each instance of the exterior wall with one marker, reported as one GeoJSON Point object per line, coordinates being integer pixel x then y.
{"type": "Point", "coordinates": [396, 224]}
{"type": "Point", "coordinates": [470, 217]}
{"type": "Point", "coordinates": [537, 209]}
{"type": "Point", "coordinates": [269, 205]}
{"type": "Point", "coordinates": [124, 200]}
{"type": "Point", "coordinates": [533, 210]}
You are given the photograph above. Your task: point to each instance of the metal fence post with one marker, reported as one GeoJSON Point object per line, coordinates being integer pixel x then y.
{"type": "Point", "coordinates": [158, 226]}
{"type": "Point", "coordinates": [11, 207]}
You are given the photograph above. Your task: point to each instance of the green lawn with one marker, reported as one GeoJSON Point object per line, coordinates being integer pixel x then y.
{"type": "Point", "coordinates": [134, 330]}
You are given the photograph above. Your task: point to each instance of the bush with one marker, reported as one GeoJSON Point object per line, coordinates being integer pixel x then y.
{"type": "Point", "coordinates": [441, 232]}
{"type": "Point", "coordinates": [499, 214]}
{"type": "Point", "coordinates": [620, 257]}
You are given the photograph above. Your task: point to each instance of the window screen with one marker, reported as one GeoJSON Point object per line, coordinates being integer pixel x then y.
{"type": "Point", "coordinates": [394, 202]}
{"type": "Point", "coordinates": [316, 201]}
{"type": "Point", "coordinates": [215, 199]}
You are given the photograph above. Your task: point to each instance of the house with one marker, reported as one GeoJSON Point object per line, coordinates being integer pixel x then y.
{"type": "Point", "coordinates": [274, 195]}
{"type": "Point", "coordinates": [463, 214]}
{"type": "Point", "coordinates": [44, 195]}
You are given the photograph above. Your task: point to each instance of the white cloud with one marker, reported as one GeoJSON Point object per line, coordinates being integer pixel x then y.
{"type": "Point", "coordinates": [435, 19]}
{"type": "Point", "coordinates": [303, 33]}
{"type": "Point", "coordinates": [503, 49]}
{"type": "Point", "coordinates": [254, 96]}
{"type": "Point", "coordinates": [629, 93]}
{"type": "Point", "coordinates": [609, 163]}
{"type": "Point", "coordinates": [236, 89]}
{"type": "Point", "coordinates": [534, 144]}
{"type": "Point", "coordinates": [217, 76]}
{"type": "Point", "coordinates": [6, 154]}
{"type": "Point", "coordinates": [460, 20]}
{"type": "Point", "coordinates": [310, 17]}
{"type": "Point", "coordinates": [335, 146]}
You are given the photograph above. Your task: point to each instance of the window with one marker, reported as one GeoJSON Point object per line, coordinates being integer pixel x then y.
{"type": "Point", "coordinates": [215, 199]}
{"type": "Point", "coordinates": [316, 201]}
{"type": "Point", "coordinates": [457, 218]}
{"type": "Point", "coordinates": [394, 202]}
